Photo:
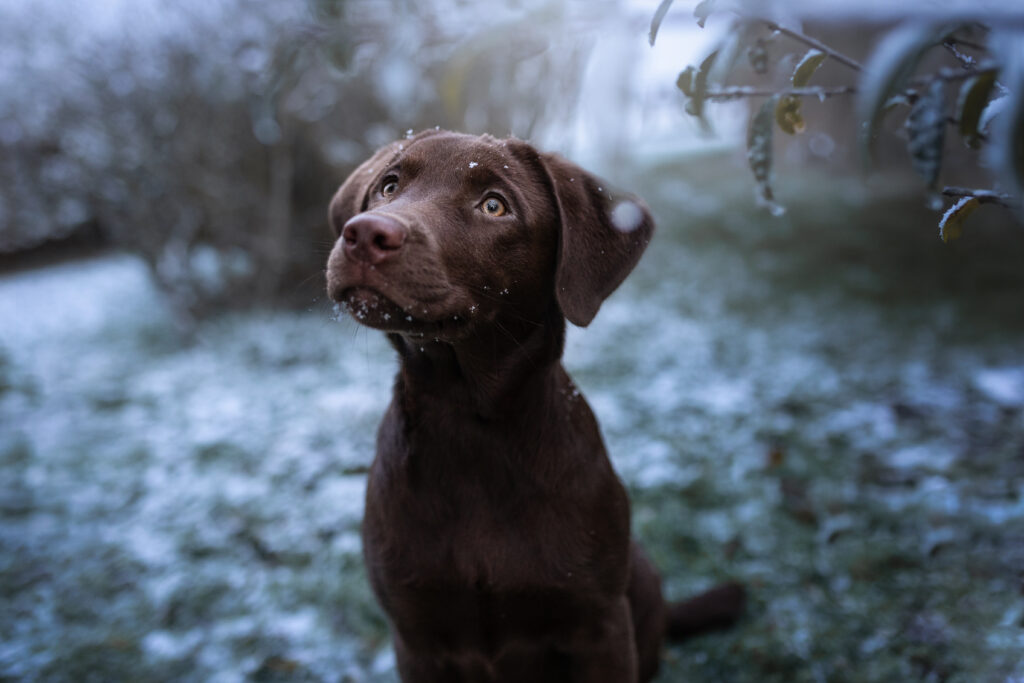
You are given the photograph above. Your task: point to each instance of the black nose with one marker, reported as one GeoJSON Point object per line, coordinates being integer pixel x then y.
{"type": "Point", "coordinates": [372, 238]}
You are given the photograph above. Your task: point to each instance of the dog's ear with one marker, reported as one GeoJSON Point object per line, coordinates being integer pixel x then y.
{"type": "Point", "coordinates": [603, 234]}
{"type": "Point", "coordinates": [353, 195]}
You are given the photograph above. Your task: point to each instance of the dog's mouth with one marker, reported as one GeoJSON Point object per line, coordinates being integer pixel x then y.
{"type": "Point", "coordinates": [370, 307]}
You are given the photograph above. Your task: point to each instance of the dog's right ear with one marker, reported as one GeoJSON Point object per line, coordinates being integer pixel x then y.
{"type": "Point", "coordinates": [354, 194]}
{"type": "Point", "coordinates": [603, 234]}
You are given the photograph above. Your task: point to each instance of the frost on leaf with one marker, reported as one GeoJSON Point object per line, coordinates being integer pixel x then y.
{"type": "Point", "coordinates": [926, 129]}
{"type": "Point", "coordinates": [951, 224]}
{"type": "Point", "coordinates": [887, 72]}
{"type": "Point", "coordinates": [806, 67]}
{"type": "Point", "coordinates": [694, 84]}
{"type": "Point", "coordinates": [759, 152]}
{"type": "Point", "coordinates": [972, 101]}
{"type": "Point", "coordinates": [757, 54]}
{"type": "Point", "coordinates": [787, 111]}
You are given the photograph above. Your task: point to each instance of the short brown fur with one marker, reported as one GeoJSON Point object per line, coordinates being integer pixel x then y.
{"type": "Point", "coordinates": [496, 534]}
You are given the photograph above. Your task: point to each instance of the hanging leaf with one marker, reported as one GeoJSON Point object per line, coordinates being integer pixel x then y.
{"type": "Point", "coordinates": [1005, 151]}
{"type": "Point", "coordinates": [787, 111]}
{"type": "Point", "coordinates": [787, 115]}
{"type": "Point", "coordinates": [659, 15]}
{"type": "Point", "coordinates": [926, 129]}
{"type": "Point", "coordinates": [702, 10]}
{"type": "Point", "coordinates": [806, 67]}
{"type": "Point", "coordinates": [992, 111]}
{"type": "Point", "coordinates": [887, 72]}
{"type": "Point", "coordinates": [951, 225]}
{"type": "Point", "coordinates": [685, 80]}
{"type": "Point", "coordinates": [698, 87]}
{"type": "Point", "coordinates": [971, 102]}
{"type": "Point", "coordinates": [757, 54]}
{"type": "Point", "coordinates": [759, 153]}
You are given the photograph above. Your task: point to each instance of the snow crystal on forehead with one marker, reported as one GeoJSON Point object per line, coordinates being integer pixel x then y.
{"type": "Point", "coordinates": [627, 216]}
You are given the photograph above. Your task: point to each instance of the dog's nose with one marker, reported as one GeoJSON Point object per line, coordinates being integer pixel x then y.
{"type": "Point", "coordinates": [372, 238]}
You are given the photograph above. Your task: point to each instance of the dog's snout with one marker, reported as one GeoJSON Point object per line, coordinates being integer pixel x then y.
{"type": "Point", "coordinates": [372, 238]}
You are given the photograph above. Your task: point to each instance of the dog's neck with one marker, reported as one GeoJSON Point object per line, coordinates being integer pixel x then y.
{"type": "Point", "coordinates": [499, 369]}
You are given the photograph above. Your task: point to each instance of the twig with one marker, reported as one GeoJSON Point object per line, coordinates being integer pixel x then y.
{"type": "Point", "coordinates": [966, 61]}
{"type": "Point", "coordinates": [811, 42]}
{"type": "Point", "coordinates": [736, 92]}
{"type": "Point", "coordinates": [983, 196]}
{"type": "Point", "coordinates": [969, 44]}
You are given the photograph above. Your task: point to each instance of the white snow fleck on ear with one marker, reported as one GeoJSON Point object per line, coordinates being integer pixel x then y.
{"type": "Point", "coordinates": [627, 216]}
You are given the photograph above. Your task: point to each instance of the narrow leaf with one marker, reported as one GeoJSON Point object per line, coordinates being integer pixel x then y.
{"type": "Point", "coordinates": [971, 102]}
{"type": "Point", "coordinates": [887, 72]}
{"type": "Point", "coordinates": [685, 82]}
{"type": "Point", "coordinates": [702, 10]}
{"type": "Point", "coordinates": [951, 225]}
{"type": "Point", "coordinates": [926, 129]}
{"type": "Point", "coordinates": [659, 15]}
{"type": "Point", "coordinates": [806, 67]}
{"type": "Point", "coordinates": [759, 151]}
{"type": "Point", "coordinates": [1014, 131]}
{"type": "Point", "coordinates": [787, 111]}
{"type": "Point", "coordinates": [695, 105]}
{"type": "Point", "coordinates": [758, 56]}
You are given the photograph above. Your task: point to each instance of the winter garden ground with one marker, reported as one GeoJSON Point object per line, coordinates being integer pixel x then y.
{"type": "Point", "coordinates": [828, 406]}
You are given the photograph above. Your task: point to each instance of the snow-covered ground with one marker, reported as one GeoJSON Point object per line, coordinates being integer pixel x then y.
{"type": "Point", "coordinates": [821, 418]}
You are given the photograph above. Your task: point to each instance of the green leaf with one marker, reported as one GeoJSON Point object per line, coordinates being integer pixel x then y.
{"type": "Point", "coordinates": [759, 152]}
{"type": "Point", "coordinates": [889, 69]}
{"type": "Point", "coordinates": [926, 129]}
{"type": "Point", "coordinates": [806, 67]}
{"type": "Point", "coordinates": [974, 96]}
{"type": "Point", "coordinates": [951, 225]}
{"type": "Point", "coordinates": [787, 111]}
{"type": "Point", "coordinates": [659, 15]}
{"type": "Point", "coordinates": [703, 10]}
{"type": "Point", "coordinates": [787, 115]}
{"type": "Point", "coordinates": [699, 88]}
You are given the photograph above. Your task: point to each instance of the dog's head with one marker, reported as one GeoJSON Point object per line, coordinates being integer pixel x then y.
{"type": "Point", "coordinates": [442, 232]}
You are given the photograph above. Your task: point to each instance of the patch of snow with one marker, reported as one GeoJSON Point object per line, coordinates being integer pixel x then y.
{"type": "Point", "coordinates": [1004, 386]}
{"type": "Point", "coordinates": [627, 216]}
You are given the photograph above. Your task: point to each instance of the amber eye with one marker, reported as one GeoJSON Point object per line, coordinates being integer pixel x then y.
{"type": "Point", "coordinates": [389, 188]}
{"type": "Point", "coordinates": [493, 206]}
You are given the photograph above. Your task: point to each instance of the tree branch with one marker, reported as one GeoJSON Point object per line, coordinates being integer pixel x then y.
{"type": "Point", "coordinates": [816, 44]}
{"type": "Point", "coordinates": [966, 61]}
{"type": "Point", "coordinates": [739, 91]}
{"type": "Point", "coordinates": [983, 196]}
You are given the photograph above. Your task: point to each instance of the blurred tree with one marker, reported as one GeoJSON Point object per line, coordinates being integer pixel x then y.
{"type": "Point", "coordinates": [975, 84]}
{"type": "Point", "coordinates": [209, 137]}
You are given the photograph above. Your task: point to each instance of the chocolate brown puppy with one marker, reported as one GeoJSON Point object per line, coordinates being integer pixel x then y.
{"type": "Point", "coordinates": [496, 534]}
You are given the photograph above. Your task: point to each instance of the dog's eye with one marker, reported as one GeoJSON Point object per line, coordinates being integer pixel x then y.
{"type": "Point", "coordinates": [493, 206]}
{"type": "Point", "coordinates": [389, 188]}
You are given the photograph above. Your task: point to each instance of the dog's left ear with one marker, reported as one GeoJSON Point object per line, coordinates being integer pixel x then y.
{"type": "Point", "coordinates": [603, 234]}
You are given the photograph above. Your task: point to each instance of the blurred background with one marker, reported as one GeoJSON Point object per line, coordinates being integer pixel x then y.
{"type": "Point", "coordinates": [826, 404]}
